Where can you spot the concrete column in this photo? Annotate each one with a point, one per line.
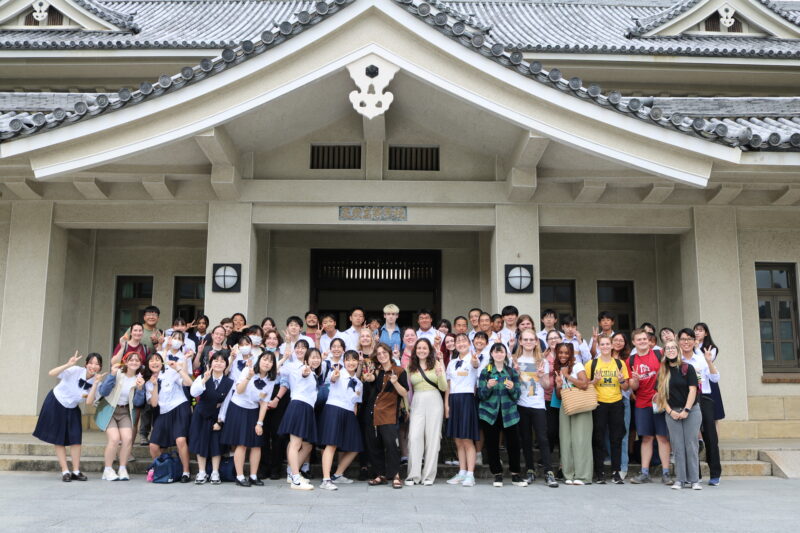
(32, 310)
(712, 294)
(515, 241)
(231, 239)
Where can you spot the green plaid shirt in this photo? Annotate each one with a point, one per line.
(498, 400)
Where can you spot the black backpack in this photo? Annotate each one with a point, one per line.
(593, 366)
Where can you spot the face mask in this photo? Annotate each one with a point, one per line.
(255, 339)
(245, 350)
(176, 344)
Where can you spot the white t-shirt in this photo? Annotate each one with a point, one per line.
(325, 341)
(73, 387)
(170, 391)
(346, 392)
(125, 392)
(462, 376)
(532, 392)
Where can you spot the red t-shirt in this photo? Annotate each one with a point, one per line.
(647, 367)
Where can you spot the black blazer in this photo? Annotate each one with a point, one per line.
(210, 401)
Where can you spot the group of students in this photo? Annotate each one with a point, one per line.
(383, 394)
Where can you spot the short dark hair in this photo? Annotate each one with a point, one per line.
(179, 321)
(496, 316)
(482, 335)
(272, 373)
(549, 311)
(254, 329)
(357, 308)
(372, 318)
(296, 319)
(244, 318)
(606, 314)
(686, 331)
(226, 320)
(95, 355)
(446, 323)
(327, 315)
(202, 317)
(484, 313)
(311, 313)
(568, 320)
(509, 310)
(478, 309)
(460, 317)
(151, 309)
(425, 311)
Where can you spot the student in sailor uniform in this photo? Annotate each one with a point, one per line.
(241, 354)
(175, 350)
(187, 346)
(460, 409)
(211, 389)
(299, 421)
(164, 389)
(339, 429)
(292, 359)
(480, 346)
(60, 417)
(244, 419)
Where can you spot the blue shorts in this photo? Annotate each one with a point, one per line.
(648, 423)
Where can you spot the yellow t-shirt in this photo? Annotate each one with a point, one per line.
(608, 388)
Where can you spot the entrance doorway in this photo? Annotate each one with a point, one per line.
(343, 279)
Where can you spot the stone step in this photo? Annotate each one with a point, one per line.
(94, 464)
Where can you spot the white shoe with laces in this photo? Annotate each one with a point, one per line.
(697, 486)
(456, 480)
(677, 485)
(109, 474)
(122, 474)
(341, 480)
(328, 485)
(578, 482)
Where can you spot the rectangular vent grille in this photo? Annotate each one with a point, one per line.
(424, 158)
(335, 156)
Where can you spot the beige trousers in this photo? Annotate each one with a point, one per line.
(424, 435)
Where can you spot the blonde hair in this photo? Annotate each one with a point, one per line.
(664, 374)
(391, 308)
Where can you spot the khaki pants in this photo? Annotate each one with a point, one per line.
(424, 435)
(575, 441)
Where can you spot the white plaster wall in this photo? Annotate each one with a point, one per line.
(589, 258)
(290, 254)
(762, 246)
(78, 276)
(5, 226)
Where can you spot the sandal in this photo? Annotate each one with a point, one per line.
(396, 483)
(379, 480)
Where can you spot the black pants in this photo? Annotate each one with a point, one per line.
(491, 440)
(610, 417)
(709, 430)
(552, 426)
(145, 420)
(531, 419)
(274, 448)
(384, 453)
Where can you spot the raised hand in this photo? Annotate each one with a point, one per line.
(393, 378)
(74, 359)
(709, 355)
(491, 383)
(139, 382)
(335, 375)
(306, 371)
(207, 375)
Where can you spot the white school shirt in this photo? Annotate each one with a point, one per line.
(339, 363)
(704, 375)
(125, 392)
(581, 348)
(325, 341)
(170, 392)
(343, 395)
(303, 388)
(507, 334)
(350, 337)
(309, 340)
(187, 363)
(251, 396)
(463, 379)
(430, 335)
(69, 392)
(235, 370)
(471, 335)
(532, 392)
(188, 344)
(484, 357)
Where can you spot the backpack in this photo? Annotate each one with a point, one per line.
(166, 468)
(593, 366)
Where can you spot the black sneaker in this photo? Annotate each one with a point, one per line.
(275, 476)
(530, 477)
(550, 480)
(185, 478)
(78, 477)
(243, 483)
(257, 482)
(616, 479)
(517, 481)
(498, 480)
(560, 475)
(599, 479)
(66, 478)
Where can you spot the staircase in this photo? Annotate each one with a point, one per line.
(19, 452)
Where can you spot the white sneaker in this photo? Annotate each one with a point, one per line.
(409, 482)
(302, 478)
(303, 485)
(578, 482)
(328, 485)
(677, 485)
(427, 483)
(456, 480)
(697, 486)
(122, 473)
(215, 480)
(469, 481)
(568, 481)
(109, 474)
(339, 480)
(623, 473)
(200, 478)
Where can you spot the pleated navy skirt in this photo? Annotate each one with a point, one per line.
(340, 428)
(240, 427)
(463, 420)
(203, 440)
(299, 420)
(169, 427)
(719, 409)
(57, 424)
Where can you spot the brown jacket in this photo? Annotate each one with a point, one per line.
(387, 400)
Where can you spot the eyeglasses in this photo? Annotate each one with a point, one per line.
(686, 339)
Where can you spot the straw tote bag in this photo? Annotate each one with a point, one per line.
(575, 400)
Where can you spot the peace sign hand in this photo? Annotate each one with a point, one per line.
(75, 358)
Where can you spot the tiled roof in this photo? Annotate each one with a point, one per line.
(726, 121)
(121, 20)
(563, 26)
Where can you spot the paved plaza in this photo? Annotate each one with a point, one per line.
(34, 502)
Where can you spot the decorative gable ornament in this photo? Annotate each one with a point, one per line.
(40, 8)
(371, 75)
(726, 14)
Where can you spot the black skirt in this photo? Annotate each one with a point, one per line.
(340, 428)
(299, 420)
(463, 420)
(169, 427)
(240, 427)
(203, 440)
(57, 424)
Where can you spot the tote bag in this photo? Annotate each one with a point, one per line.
(575, 400)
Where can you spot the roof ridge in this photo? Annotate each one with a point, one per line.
(120, 20)
(726, 132)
